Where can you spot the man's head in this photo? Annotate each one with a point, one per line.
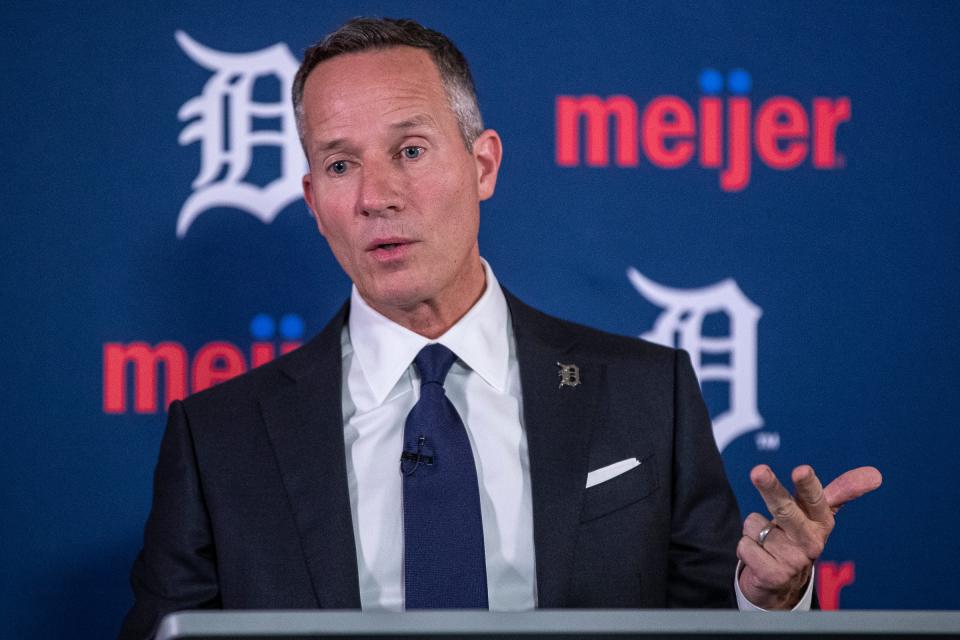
(393, 183)
(367, 34)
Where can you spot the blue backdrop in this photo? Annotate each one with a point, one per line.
(135, 227)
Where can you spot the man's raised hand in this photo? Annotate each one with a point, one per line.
(776, 571)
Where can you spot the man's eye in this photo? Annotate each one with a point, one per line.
(339, 167)
(412, 153)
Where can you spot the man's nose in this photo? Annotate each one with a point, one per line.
(380, 190)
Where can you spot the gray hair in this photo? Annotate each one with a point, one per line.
(364, 34)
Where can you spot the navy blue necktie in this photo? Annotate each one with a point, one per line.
(444, 563)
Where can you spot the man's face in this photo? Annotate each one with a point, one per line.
(391, 184)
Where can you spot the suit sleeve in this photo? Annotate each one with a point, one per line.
(176, 569)
(705, 521)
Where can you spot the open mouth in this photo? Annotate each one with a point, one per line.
(389, 248)
(388, 244)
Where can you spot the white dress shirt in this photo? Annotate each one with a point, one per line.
(380, 387)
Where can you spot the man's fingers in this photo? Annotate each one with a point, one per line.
(780, 503)
(769, 572)
(811, 496)
(761, 563)
(776, 544)
(753, 525)
(851, 485)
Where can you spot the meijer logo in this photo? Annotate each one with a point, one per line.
(783, 132)
(145, 365)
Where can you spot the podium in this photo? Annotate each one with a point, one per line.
(559, 624)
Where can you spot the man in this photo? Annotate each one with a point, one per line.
(585, 471)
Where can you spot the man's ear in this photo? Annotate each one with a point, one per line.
(307, 183)
(487, 152)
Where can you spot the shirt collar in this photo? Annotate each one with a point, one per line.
(384, 349)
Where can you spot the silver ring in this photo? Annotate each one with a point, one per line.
(764, 533)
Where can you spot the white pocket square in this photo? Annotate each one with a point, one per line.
(611, 471)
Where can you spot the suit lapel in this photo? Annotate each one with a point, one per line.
(558, 422)
(304, 421)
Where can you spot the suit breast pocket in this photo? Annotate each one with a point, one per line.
(621, 491)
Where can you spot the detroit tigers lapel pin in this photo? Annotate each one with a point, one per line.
(569, 375)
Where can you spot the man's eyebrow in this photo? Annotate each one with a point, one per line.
(327, 145)
(421, 120)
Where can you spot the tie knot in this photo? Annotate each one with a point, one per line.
(433, 362)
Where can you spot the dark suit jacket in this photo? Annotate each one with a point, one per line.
(251, 507)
